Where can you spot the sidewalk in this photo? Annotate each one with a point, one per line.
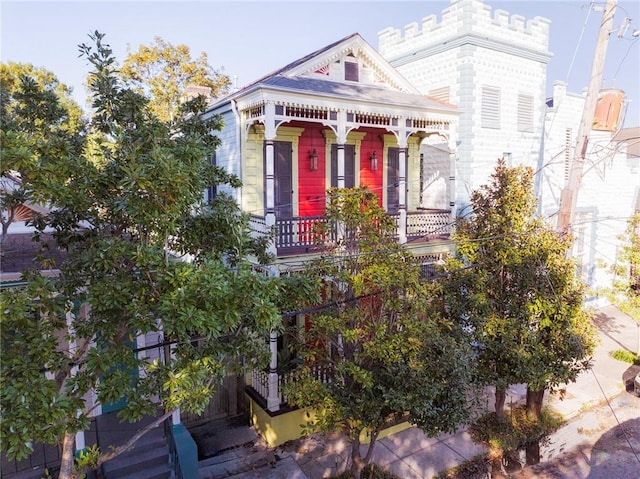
(411, 455)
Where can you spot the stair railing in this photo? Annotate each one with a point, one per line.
(174, 460)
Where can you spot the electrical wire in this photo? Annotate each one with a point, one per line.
(624, 431)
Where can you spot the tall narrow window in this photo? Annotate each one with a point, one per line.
(525, 112)
(490, 107)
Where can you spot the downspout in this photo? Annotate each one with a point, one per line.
(236, 114)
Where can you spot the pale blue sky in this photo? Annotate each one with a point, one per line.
(251, 39)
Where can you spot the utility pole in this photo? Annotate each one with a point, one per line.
(569, 195)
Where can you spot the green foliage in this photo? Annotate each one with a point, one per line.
(87, 459)
(128, 208)
(625, 356)
(516, 433)
(39, 123)
(625, 290)
(386, 352)
(513, 286)
(162, 71)
(478, 467)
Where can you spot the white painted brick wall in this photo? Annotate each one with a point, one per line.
(465, 16)
(513, 58)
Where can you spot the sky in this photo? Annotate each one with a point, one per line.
(249, 39)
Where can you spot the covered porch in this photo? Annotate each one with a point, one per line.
(297, 235)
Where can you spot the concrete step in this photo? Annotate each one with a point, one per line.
(215, 437)
(235, 461)
(147, 459)
(161, 471)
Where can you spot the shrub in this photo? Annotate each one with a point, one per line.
(516, 433)
(625, 356)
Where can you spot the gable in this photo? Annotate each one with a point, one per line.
(351, 60)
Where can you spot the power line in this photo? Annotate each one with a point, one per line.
(624, 431)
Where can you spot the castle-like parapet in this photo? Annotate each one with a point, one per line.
(466, 18)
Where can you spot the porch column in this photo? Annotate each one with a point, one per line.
(270, 212)
(340, 148)
(175, 417)
(270, 179)
(341, 138)
(80, 442)
(273, 396)
(402, 186)
(452, 180)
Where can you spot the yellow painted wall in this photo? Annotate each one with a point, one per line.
(277, 430)
(253, 174)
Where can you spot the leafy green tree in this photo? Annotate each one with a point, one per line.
(39, 121)
(163, 71)
(385, 352)
(625, 287)
(130, 207)
(514, 287)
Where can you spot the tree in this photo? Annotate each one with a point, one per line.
(38, 122)
(625, 287)
(122, 217)
(513, 285)
(377, 340)
(163, 71)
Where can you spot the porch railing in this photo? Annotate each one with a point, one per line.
(429, 224)
(260, 381)
(300, 234)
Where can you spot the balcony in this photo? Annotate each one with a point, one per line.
(298, 235)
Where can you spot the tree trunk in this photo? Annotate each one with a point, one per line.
(357, 463)
(534, 404)
(67, 460)
(501, 394)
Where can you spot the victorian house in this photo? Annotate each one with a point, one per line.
(338, 117)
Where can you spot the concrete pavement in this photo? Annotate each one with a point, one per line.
(411, 455)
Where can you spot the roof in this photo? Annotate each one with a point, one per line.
(355, 91)
(295, 77)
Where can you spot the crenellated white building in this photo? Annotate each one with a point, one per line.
(490, 64)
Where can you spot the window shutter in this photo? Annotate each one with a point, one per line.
(525, 112)
(490, 107)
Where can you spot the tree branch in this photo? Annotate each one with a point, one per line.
(127, 445)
